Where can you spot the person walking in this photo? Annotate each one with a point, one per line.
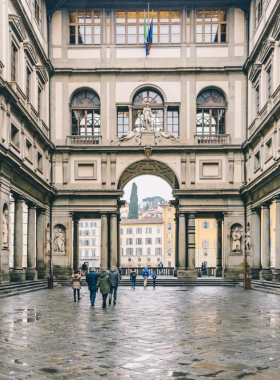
(76, 280)
(115, 280)
(145, 275)
(154, 277)
(105, 284)
(133, 276)
(91, 279)
(84, 268)
(160, 265)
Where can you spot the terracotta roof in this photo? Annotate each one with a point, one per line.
(142, 221)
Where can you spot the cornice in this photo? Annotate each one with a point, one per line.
(276, 29)
(30, 52)
(136, 71)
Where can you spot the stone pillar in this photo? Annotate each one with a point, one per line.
(255, 242)
(113, 241)
(40, 244)
(276, 273)
(165, 118)
(266, 273)
(119, 240)
(104, 242)
(182, 257)
(76, 250)
(130, 115)
(31, 273)
(191, 271)
(18, 274)
(219, 241)
(176, 241)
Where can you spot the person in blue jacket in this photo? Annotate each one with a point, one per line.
(91, 279)
(154, 277)
(145, 275)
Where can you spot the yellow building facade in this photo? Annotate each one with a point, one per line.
(169, 235)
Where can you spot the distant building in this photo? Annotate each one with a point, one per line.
(169, 235)
(90, 237)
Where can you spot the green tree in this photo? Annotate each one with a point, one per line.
(146, 208)
(133, 205)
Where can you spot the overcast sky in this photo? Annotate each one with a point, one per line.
(149, 186)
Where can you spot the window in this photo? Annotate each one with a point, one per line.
(85, 28)
(39, 101)
(148, 259)
(129, 251)
(149, 241)
(259, 10)
(210, 114)
(121, 231)
(93, 224)
(169, 245)
(169, 236)
(139, 259)
(205, 244)
(257, 99)
(40, 161)
(158, 230)
(268, 149)
(205, 254)
(85, 107)
(169, 216)
(129, 231)
(257, 160)
(169, 209)
(170, 27)
(188, 27)
(14, 63)
(169, 253)
(80, 252)
(129, 259)
(81, 243)
(158, 251)
(108, 28)
(28, 79)
(271, 224)
(205, 224)
(86, 253)
(129, 241)
(139, 231)
(123, 122)
(86, 233)
(173, 121)
(156, 104)
(121, 251)
(15, 136)
(169, 226)
(93, 233)
(139, 251)
(28, 148)
(158, 240)
(211, 26)
(269, 82)
(215, 224)
(148, 251)
(158, 259)
(86, 243)
(93, 242)
(93, 252)
(86, 224)
(148, 230)
(37, 12)
(139, 241)
(215, 244)
(81, 233)
(81, 224)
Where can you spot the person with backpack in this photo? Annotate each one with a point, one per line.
(154, 277)
(105, 284)
(145, 274)
(91, 279)
(76, 280)
(115, 280)
(133, 276)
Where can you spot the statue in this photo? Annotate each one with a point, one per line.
(248, 239)
(236, 240)
(129, 135)
(147, 117)
(5, 228)
(59, 242)
(166, 135)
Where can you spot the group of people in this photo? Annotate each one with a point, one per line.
(108, 283)
(204, 268)
(145, 275)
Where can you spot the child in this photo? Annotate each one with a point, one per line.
(154, 277)
(133, 276)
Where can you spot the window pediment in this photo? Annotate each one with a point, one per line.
(30, 52)
(17, 26)
(276, 29)
(42, 74)
(255, 71)
(268, 47)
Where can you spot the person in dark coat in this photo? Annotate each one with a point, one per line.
(160, 265)
(115, 279)
(84, 268)
(91, 279)
(105, 284)
(133, 276)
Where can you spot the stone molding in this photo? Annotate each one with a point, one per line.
(30, 52)
(17, 27)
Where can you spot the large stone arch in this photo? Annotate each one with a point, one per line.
(152, 167)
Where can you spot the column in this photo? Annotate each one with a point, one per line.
(219, 245)
(255, 241)
(113, 241)
(191, 271)
(176, 241)
(266, 273)
(40, 239)
(184, 26)
(130, 115)
(18, 274)
(76, 251)
(119, 240)
(165, 118)
(31, 273)
(182, 257)
(104, 242)
(276, 274)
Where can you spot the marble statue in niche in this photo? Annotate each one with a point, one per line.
(59, 242)
(236, 240)
(5, 228)
(147, 117)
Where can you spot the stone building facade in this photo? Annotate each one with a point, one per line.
(100, 113)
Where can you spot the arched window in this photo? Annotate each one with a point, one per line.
(210, 115)
(85, 109)
(156, 104)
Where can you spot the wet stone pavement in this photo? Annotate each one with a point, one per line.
(166, 333)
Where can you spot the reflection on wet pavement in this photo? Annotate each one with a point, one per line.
(204, 333)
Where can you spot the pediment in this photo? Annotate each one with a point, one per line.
(255, 71)
(267, 48)
(42, 74)
(17, 27)
(30, 52)
(276, 29)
